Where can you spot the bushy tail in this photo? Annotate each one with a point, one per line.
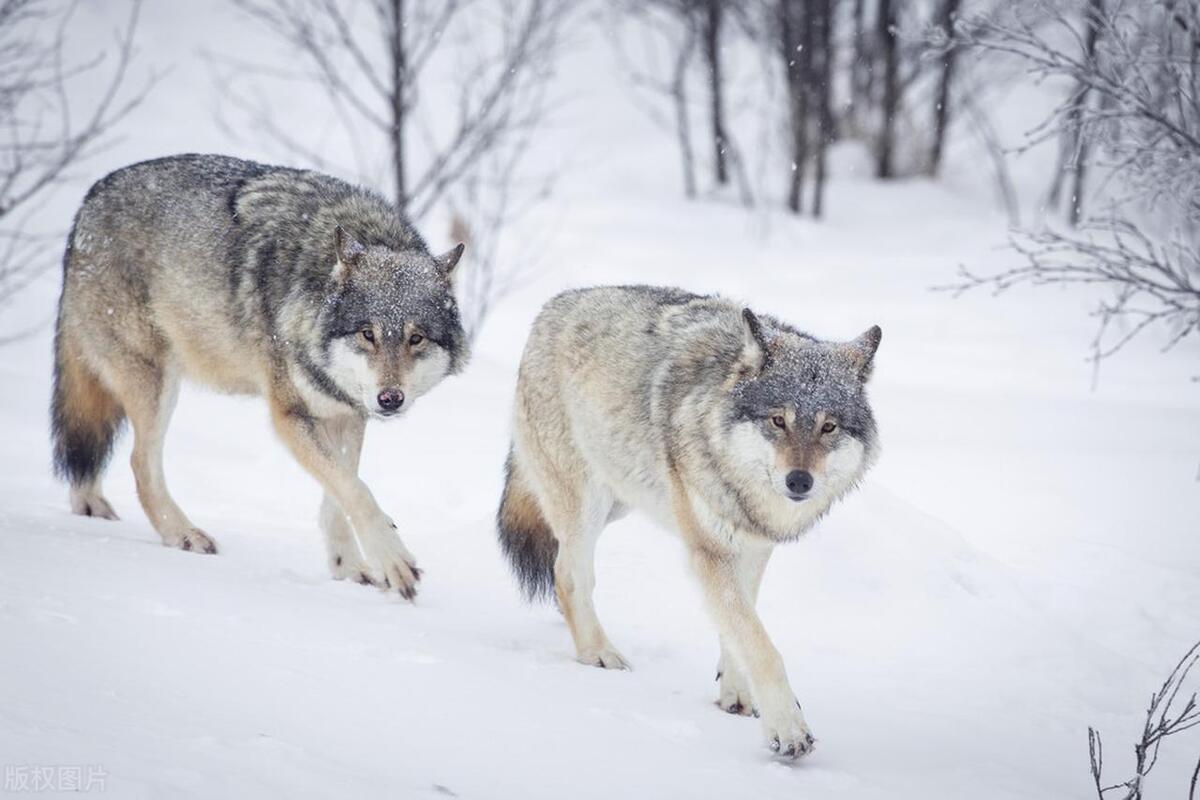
(84, 416)
(525, 535)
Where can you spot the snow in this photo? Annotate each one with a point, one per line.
(1022, 563)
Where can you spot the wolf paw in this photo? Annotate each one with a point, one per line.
(605, 657)
(91, 504)
(393, 567)
(192, 540)
(787, 734)
(734, 694)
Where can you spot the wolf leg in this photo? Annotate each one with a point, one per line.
(734, 694)
(577, 530)
(573, 507)
(730, 604)
(149, 399)
(393, 566)
(345, 560)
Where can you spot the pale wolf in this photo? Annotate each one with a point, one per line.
(251, 279)
(737, 431)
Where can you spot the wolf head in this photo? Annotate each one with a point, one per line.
(800, 420)
(391, 325)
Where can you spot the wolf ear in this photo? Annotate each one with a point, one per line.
(348, 250)
(449, 260)
(861, 351)
(753, 358)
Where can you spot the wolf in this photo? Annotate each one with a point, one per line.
(736, 430)
(251, 279)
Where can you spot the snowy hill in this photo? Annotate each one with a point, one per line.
(1022, 563)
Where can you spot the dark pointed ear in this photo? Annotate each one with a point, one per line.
(449, 260)
(348, 250)
(753, 358)
(861, 351)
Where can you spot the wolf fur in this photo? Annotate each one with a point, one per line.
(737, 431)
(250, 279)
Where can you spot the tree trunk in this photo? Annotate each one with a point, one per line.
(941, 111)
(823, 78)
(679, 97)
(891, 89)
(1071, 145)
(860, 66)
(712, 53)
(1095, 14)
(399, 59)
(793, 47)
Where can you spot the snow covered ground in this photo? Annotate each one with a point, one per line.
(1022, 563)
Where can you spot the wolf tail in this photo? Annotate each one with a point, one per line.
(525, 535)
(84, 415)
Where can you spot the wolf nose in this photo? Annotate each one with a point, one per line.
(799, 481)
(391, 399)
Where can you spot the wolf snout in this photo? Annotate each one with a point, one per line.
(390, 400)
(798, 482)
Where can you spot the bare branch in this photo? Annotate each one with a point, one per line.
(1154, 284)
(42, 137)
(1162, 721)
(468, 146)
(669, 25)
(1124, 121)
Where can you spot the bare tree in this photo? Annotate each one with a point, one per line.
(888, 34)
(964, 92)
(1072, 151)
(684, 26)
(45, 131)
(861, 66)
(713, 12)
(1163, 720)
(823, 78)
(1094, 17)
(1143, 130)
(795, 48)
(941, 108)
(369, 58)
(671, 26)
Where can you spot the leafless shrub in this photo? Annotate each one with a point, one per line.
(1133, 120)
(43, 133)
(1134, 72)
(1163, 719)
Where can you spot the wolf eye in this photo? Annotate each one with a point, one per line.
(416, 339)
(368, 335)
(779, 421)
(829, 427)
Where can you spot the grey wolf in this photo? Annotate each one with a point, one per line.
(737, 431)
(250, 279)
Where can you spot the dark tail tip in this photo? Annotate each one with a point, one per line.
(525, 535)
(84, 418)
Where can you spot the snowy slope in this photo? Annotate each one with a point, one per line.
(1022, 563)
